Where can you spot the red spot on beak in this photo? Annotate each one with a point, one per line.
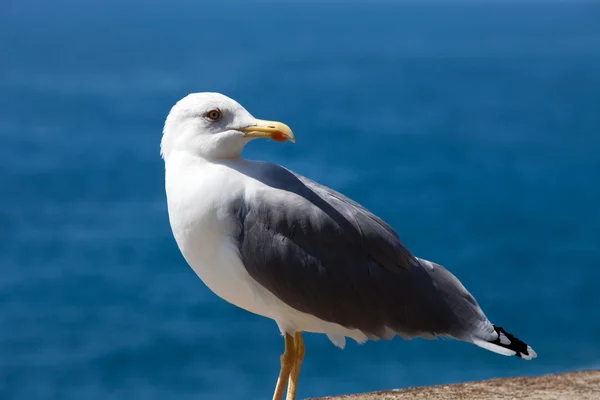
(278, 137)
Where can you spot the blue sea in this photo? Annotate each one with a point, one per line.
(473, 128)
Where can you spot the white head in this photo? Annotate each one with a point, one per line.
(213, 126)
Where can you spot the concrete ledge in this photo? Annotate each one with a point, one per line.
(583, 385)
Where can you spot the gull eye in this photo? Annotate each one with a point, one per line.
(214, 114)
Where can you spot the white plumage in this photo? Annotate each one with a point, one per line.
(281, 246)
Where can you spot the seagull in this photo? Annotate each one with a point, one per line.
(282, 246)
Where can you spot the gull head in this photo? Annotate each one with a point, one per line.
(214, 126)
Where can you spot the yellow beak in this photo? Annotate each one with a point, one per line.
(277, 131)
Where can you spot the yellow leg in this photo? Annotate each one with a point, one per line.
(293, 382)
(288, 359)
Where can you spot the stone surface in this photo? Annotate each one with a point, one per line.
(583, 385)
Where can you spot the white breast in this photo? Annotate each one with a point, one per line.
(197, 193)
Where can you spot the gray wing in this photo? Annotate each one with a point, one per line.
(323, 254)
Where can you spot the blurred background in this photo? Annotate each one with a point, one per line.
(473, 128)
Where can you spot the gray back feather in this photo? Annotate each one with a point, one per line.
(323, 254)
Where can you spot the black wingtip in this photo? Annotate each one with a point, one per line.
(509, 341)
